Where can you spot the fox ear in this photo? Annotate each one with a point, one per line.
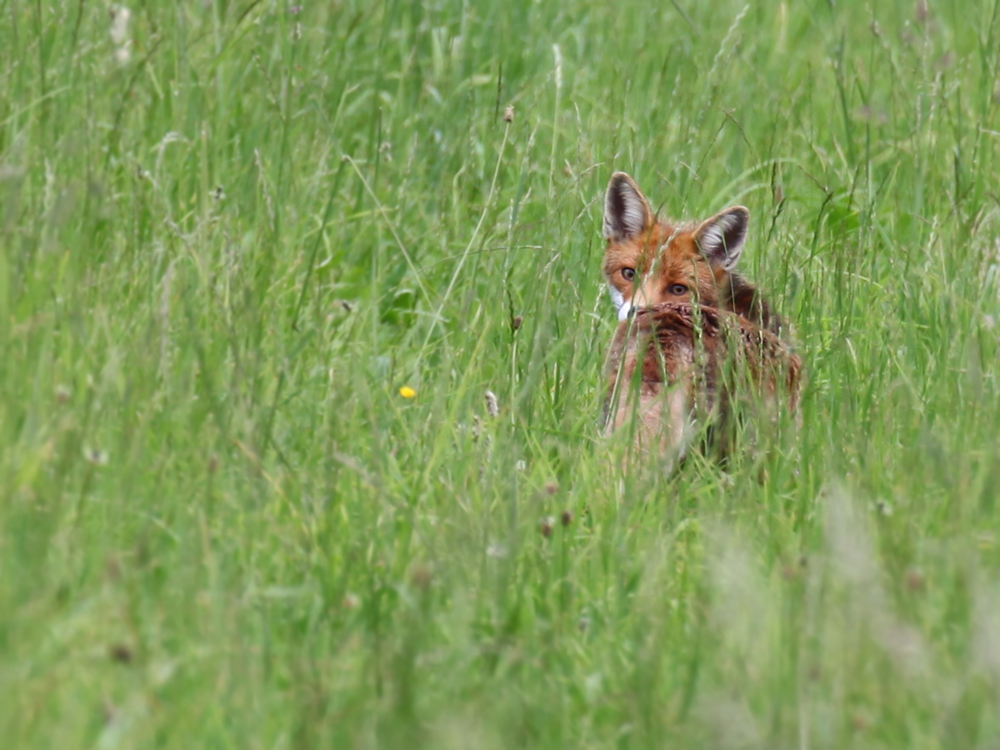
(722, 237)
(626, 211)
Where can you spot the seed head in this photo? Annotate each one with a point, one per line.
(508, 114)
(120, 16)
(96, 456)
(492, 405)
(548, 523)
(120, 653)
(923, 12)
(113, 569)
(566, 518)
(422, 577)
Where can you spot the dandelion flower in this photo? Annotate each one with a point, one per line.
(407, 392)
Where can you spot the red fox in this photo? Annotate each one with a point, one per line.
(700, 336)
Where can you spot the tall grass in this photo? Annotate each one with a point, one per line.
(228, 238)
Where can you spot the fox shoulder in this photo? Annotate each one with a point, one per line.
(745, 299)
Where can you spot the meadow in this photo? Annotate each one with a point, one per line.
(231, 232)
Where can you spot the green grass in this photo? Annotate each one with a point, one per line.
(220, 259)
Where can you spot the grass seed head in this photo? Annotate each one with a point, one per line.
(120, 17)
(120, 653)
(492, 404)
(96, 457)
(421, 577)
(548, 524)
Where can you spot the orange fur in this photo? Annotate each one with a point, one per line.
(694, 334)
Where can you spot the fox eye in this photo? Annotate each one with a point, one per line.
(678, 289)
(628, 273)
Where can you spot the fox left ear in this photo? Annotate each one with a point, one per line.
(722, 237)
(627, 213)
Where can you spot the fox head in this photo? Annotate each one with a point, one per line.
(650, 261)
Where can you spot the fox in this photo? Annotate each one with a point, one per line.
(649, 261)
(693, 336)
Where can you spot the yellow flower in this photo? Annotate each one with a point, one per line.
(407, 392)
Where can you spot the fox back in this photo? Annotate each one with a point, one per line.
(650, 261)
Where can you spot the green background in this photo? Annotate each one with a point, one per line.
(231, 234)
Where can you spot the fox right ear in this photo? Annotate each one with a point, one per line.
(626, 211)
(722, 237)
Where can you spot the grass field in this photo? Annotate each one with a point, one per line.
(231, 232)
